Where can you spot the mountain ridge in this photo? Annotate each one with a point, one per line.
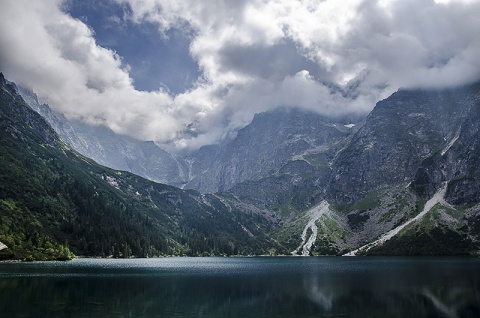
(374, 175)
(100, 143)
(55, 202)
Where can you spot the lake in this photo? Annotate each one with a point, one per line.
(243, 287)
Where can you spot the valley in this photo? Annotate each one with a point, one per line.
(292, 182)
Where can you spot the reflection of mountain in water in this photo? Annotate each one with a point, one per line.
(437, 302)
(245, 287)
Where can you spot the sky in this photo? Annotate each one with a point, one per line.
(188, 73)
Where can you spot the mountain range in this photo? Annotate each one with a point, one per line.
(55, 202)
(403, 180)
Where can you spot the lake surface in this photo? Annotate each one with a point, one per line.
(243, 287)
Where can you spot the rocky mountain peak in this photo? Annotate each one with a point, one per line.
(399, 134)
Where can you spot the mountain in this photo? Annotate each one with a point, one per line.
(101, 144)
(259, 150)
(55, 202)
(415, 157)
(271, 141)
(411, 168)
(399, 134)
(402, 181)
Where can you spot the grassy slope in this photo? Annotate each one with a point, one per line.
(54, 201)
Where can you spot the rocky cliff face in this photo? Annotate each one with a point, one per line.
(259, 150)
(457, 162)
(399, 134)
(101, 144)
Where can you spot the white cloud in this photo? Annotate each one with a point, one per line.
(254, 55)
(57, 57)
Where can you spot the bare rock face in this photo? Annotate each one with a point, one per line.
(400, 135)
(458, 161)
(101, 144)
(264, 146)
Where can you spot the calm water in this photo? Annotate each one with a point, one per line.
(243, 287)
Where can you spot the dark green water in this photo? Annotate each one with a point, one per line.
(243, 287)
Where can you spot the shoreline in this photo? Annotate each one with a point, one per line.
(244, 256)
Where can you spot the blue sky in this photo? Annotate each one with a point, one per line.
(160, 69)
(155, 59)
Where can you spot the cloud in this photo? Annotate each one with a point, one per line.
(417, 43)
(333, 57)
(57, 56)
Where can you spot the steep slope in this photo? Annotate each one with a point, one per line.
(402, 131)
(457, 162)
(260, 149)
(54, 201)
(422, 141)
(119, 152)
(384, 184)
(292, 181)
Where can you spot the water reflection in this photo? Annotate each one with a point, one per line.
(256, 287)
(428, 288)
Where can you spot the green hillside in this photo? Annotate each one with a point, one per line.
(55, 203)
